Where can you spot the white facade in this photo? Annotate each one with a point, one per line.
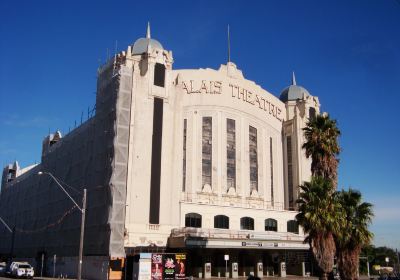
(188, 96)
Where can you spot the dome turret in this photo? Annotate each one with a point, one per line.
(142, 44)
(293, 92)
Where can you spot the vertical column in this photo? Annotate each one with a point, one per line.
(289, 152)
(184, 155)
(218, 131)
(244, 168)
(266, 168)
(279, 171)
(238, 162)
(271, 165)
(195, 140)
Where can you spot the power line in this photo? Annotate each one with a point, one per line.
(72, 188)
(59, 221)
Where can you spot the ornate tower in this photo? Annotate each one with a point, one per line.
(300, 107)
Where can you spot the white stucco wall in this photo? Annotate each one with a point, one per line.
(191, 95)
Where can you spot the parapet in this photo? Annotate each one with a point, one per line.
(49, 141)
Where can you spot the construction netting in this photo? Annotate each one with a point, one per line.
(92, 156)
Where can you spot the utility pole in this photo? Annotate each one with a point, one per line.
(83, 211)
(82, 235)
(41, 269)
(12, 244)
(54, 265)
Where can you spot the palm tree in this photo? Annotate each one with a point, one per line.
(318, 217)
(353, 233)
(321, 144)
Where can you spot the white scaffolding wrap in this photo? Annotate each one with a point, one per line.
(93, 156)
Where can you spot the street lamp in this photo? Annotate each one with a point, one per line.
(83, 211)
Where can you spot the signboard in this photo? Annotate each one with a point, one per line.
(145, 269)
(145, 255)
(256, 99)
(252, 244)
(156, 267)
(169, 263)
(180, 266)
(226, 257)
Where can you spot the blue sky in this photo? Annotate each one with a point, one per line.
(345, 52)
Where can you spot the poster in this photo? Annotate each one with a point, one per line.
(144, 269)
(180, 267)
(169, 264)
(156, 267)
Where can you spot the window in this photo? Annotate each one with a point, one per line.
(207, 151)
(193, 220)
(271, 225)
(231, 153)
(247, 223)
(184, 155)
(221, 221)
(253, 158)
(292, 226)
(271, 163)
(311, 113)
(290, 171)
(156, 151)
(159, 75)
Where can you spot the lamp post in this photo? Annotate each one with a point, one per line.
(83, 211)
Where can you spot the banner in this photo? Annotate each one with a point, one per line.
(180, 267)
(169, 264)
(156, 267)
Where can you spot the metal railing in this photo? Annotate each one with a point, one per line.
(234, 234)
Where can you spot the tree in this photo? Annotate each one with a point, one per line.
(353, 233)
(321, 144)
(318, 216)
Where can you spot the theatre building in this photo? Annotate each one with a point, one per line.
(202, 162)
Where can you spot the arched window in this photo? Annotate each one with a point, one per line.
(221, 221)
(247, 223)
(271, 225)
(292, 226)
(193, 220)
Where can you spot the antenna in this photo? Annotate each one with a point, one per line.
(293, 79)
(148, 35)
(229, 45)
